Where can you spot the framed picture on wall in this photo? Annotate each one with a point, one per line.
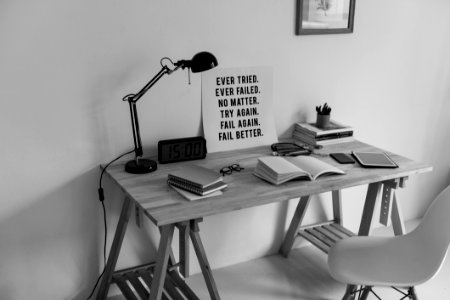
(324, 16)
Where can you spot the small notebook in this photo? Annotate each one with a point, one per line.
(195, 175)
(217, 186)
(192, 197)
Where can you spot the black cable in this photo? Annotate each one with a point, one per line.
(101, 198)
(100, 189)
(106, 232)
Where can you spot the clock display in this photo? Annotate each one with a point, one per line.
(181, 149)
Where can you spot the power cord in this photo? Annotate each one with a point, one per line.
(101, 198)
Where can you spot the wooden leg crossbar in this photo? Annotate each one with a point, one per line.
(322, 235)
(135, 283)
(325, 234)
(160, 279)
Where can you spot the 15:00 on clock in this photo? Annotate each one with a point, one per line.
(181, 149)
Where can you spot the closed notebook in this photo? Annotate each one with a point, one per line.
(195, 175)
(191, 196)
(217, 186)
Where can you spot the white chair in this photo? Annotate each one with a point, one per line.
(398, 261)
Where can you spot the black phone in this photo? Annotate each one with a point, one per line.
(343, 158)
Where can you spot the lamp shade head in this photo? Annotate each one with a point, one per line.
(202, 61)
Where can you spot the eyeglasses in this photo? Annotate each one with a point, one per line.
(228, 170)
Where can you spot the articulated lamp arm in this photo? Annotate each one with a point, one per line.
(200, 62)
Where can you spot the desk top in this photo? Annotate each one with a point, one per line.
(165, 206)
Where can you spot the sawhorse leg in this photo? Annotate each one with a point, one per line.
(373, 192)
(392, 206)
(202, 259)
(292, 231)
(162, 259)
(115, 249)
(389, 205)
(299, 214)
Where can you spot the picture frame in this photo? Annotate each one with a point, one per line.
(324, 16)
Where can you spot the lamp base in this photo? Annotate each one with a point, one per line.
(140, 166)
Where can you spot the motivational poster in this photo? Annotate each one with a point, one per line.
(237, 108)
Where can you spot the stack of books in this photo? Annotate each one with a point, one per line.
(195, 182)
(309, 133)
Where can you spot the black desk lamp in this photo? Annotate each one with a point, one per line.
(202, 61)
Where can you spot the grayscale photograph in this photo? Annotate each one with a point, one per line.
(225, 150)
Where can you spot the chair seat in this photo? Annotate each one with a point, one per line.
(376, 261)
(400, 261)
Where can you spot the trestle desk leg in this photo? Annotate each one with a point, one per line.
(293, 227)
(337, 206)
(397, 217)
(184, 230)
(202, 260)
(373, 192)
(162, 259)
(115, 249)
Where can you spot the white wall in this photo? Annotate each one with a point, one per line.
(65, 66)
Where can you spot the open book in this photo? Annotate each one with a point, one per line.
(277, 169)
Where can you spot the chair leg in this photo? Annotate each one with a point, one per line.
(412, 293)
(350, 292)
(365, 292)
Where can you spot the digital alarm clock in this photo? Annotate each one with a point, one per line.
(181, 149)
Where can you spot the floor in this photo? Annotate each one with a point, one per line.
(302, 276)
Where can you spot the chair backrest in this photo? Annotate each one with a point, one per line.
(434, 229)
(436, 220)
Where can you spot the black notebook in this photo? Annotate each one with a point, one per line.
(374, 160)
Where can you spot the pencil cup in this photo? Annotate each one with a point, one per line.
(322, 121)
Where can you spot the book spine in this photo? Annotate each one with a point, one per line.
(320, 132)
(185, 186)
(324, 136)
(334, 136)
(335, 141)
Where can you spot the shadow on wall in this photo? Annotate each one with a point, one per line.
(138, 246)
(53, 243)
(57, 242)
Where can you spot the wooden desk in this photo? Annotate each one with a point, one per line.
(152, 197)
